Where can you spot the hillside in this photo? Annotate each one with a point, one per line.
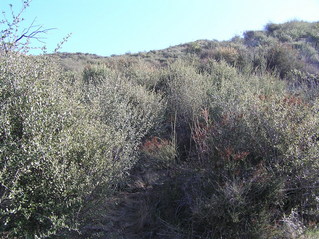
(299, 39)
(206, 139)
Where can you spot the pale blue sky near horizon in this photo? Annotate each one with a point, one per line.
(106, 27)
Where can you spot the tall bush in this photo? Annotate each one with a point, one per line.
(57, 152)
(128, 107)
(261, 148)
(54, 155)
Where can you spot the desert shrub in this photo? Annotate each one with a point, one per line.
(228, 54)
(265, 153)
(313, 35)
(256, 38)
(284, 46)
(95, 74)
(232, 207)
(258, 59)
(184, 90)
(308, 52)
(65, 143)
(283, 59)
(234, 53)
(54, 153)
(143, 73)
(253, 160)
(211, 67)
(254, 148)
(130, 108)
(194, 48)
(305, 84)
(289, 31)
(227, 85)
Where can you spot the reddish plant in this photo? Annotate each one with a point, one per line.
(229, 153)
(293, 100)
(154, 144)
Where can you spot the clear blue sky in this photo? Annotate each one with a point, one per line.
(106, 27)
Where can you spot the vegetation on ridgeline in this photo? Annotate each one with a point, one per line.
(202, 140)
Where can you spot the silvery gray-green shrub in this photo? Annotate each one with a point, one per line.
(58, 153)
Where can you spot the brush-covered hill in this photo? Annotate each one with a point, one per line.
(294, 41)
(206, 139)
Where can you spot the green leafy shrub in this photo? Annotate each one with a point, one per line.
(54, 154)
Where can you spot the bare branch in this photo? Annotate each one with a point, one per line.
(12, 38)
(33, 34)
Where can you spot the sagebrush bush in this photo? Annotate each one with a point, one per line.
(308, 52)
(290, 31)
(252, 162)
(143, 73)
(257, 38)
(50, 160)
(228, 54)
(128, 107)
(185, 91)
(262, 142)
(283, 59)
(57, 152)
